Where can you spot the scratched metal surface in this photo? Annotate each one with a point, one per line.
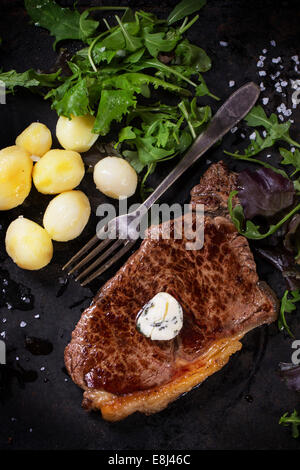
(237, 408)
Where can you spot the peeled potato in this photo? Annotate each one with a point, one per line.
(115, 177)
(76, 133)
(67, 215)
(15, 176)
(28, 244)
(36, 139)
(58, 171)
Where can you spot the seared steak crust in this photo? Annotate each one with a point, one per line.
(217, 286)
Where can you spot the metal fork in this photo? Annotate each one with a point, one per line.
(108, 251)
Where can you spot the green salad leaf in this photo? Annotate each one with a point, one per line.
(114, 104)
(63, 23)
(29, 79)
(185, 8)
(287, 306)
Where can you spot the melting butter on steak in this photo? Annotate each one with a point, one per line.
(218, 288)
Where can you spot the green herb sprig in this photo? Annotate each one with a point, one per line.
(292, 420)
(287, 306)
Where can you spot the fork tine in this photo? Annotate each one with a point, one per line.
(101, 258)
(85, 248)
(129, 244)
(91, 255)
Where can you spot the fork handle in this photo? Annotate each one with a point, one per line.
(230, 113)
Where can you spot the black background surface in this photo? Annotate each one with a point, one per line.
(237, 408)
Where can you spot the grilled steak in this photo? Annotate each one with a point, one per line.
(121, 370)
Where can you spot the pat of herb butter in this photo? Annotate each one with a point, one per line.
(161, 318)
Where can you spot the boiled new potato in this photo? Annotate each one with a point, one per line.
(115, 177)
(67, 215)
(58, 171)
(36, 139)
(15, 176)
(28, 244)
(76, 133)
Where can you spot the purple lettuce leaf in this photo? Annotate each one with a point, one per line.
(290, 373)
(284, 261)
(264, 192)
(292, 238)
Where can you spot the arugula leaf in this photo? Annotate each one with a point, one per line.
(192, 56)
(259, 162)
(291, 158)
(185, 8)
(126, 133)
(62, 23)
(75, 101)
(293, 420)
(157, 42)
(133, 158)
(247, 227)
(287, 306)
(132, 43)
(29, 79)
(112, 107)
(136, 81)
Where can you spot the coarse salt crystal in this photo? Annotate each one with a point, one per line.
(284, 83)
(262, 73)
(276, 60)
(23, 324)
(278, 89)
(295, 58)
(233, 130)
(252, 136)
(273, 43)
(264, 51)
(262, 86)
(231, 83)
(265, 101)
(280, 117)
(260, 63)
(223, 43)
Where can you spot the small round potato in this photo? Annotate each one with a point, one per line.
(15, 176)
(36, 139)
(28, 244)
(67, 215)
(58, 171)
(115, 177)
(76, 133)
